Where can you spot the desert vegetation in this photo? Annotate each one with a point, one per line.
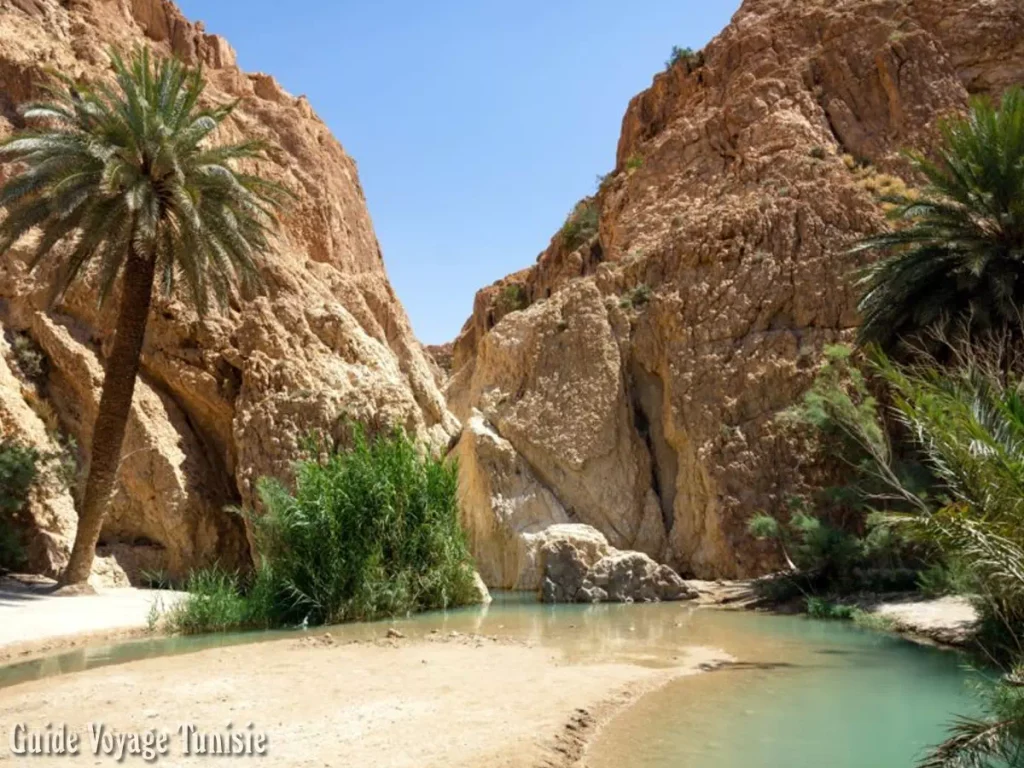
(512, 298)
(19, 471)
(687, 56)
(370, 530)
(581, 225)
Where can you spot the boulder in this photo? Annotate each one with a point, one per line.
(574, 574)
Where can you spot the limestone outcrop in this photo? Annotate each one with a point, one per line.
(224, 399)
(633, 376)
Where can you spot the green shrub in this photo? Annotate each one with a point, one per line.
(639, 296)
(634, 162)
(818, 153)
(581, 225)
(688, 55)
(832, 537)
(823, 556)
(512, 298)
(370, 531)
(819, 608)
(28, 356)
(937, 580)
(19, 470)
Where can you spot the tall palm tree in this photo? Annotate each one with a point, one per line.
(957, 257)
(124, 177)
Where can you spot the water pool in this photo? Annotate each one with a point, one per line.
(805, 694)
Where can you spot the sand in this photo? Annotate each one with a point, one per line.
(435, 701)
(34, 620)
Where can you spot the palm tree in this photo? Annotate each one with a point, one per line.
(969, 425)
(958, 258)
(123, 176)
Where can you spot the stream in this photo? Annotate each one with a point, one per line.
(805, 694)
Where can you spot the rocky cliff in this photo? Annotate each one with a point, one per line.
(631, 379)
(224, 399)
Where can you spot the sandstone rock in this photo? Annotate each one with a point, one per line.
(224, 399)
(572, 574)
(551, 379)
(642, 384)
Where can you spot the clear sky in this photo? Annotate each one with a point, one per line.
(476, 124)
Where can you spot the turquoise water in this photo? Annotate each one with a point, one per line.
(812, 695)
(805, 693)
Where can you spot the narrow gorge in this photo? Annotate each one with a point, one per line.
(681, 492)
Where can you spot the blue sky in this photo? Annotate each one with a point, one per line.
(476, 125)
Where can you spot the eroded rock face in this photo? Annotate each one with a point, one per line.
(522, 538)
(642, 384)
(225, 399)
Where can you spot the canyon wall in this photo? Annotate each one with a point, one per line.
(632, 378)
(224, 399)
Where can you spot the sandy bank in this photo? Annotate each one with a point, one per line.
(34, 620)
(947, 620)
(439, 701)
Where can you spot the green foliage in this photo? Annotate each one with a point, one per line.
(638, 296)
(996, 738)
(818, 153)
(581, 225)
(954, 259)
(762, 526)
(938, 580)
(968, 422)
(874, 621)
(512, 298)
(370, 531)
(839, 403)
(970, 425)
(214, 604)
(19, 470)
(28, 357)
(688, 55)
(824, 559)
(117, 171)
(831, 538)
(819, 608)
(634, 162)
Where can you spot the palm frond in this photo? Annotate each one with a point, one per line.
(958, 252)
(124, 169)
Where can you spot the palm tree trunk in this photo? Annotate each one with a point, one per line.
(112, 418)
